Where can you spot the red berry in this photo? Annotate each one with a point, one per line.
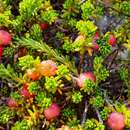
(33, 74)
(12, 103)
(47, 68)
(44, 26)
(116, 121)
(52, 112)
(5, 38)
(25, 92)
(112, 40)
(95, 46)
(1, 51)
(82, 77)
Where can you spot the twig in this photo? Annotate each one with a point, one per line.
(84, 114)
(98, 115)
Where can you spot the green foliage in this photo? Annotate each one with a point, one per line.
(5, 14)
(100, 127)
(86, 27)
(97, 101)
(5, 18)
(9, 74)
(68, 112)
(36, 33)
(21, 125)
(124, 75)
(71, 6)
(99, 69)
(9, 51)
(27, 62)
(67, 46)
(49, 16)
(63, 71)
(105, 113)
(89, 86)
(33, 87)
(79, 44)
(89, 124)
(5, 114)
(42, 100)
(126, 7)
(105, 48)
(52, 83)
(77, 97)
(73, 122)
(29, 8)
(15, 95)
(87, 9)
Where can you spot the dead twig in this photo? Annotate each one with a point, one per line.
(84, 114)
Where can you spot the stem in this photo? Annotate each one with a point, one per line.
(84, 113)
(98, 115)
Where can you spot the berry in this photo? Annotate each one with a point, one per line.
(82, 77)
(116, 121)
(25, 92)
(44, 26)
(112, 40)
(12, 103)
(47, 68)
(5, 38)
(1, 51)
(95, 46)
(52, 112)
(33, 74)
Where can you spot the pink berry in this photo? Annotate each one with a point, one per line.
(95, 46)
(47, 68)
(112, 40)
(1, 51)
(116, 121)
(82, 77)
(12, 103)
(52, 112)
(5, 38)
(25, 92)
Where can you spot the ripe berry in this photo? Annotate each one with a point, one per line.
(33, 74)
(47, 68)
(5, 38)
(95, 46)
(116, 121)
(44, 26)
(25, 92)
(82, 77)
(12, 103)
(1, 51)
(52, 112)
(112, 40)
